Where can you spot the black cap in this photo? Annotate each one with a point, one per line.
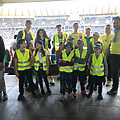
(28, 22)
(40, 42)
(70, 38)
(57, 26)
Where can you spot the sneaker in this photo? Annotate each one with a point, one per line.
(108, 83)
(74, 94)
(100, 97)
(111, 92)
(5, 97)
(48, 92)
(43, 93)
(20, 97)
(89, 95)
(84, 93)
(52, 81)
(62, 98)
(71, 96)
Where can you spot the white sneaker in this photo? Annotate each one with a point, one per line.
(108, 83)
(62, 98)
(52, 81)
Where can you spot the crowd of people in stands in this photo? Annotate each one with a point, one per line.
(80, 56)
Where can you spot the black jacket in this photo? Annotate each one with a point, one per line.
(2, 50)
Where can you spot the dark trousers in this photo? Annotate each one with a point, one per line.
(96, 80)
(28, 74)
(115, 66)
(109, 69)
(65, 78)
(40, 74)
(82, 77)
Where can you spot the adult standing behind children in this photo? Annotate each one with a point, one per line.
(106, 40)
(115, 56)
(26, 33)
(76, 35)
(2, 81)
(59, 40)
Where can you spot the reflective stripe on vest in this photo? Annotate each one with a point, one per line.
(67, 69)
(36, 65)
(97, 67)
(77, 66)
(23, 37)
(57, 42)
(23, 60)
(85, 41)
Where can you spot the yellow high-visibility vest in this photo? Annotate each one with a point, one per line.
(97, 66)
(67, 69)
(115, 46)
(36, 65)
(23, 36)
(57, 42)
(23, 60)
(77, 66)
(85, 41)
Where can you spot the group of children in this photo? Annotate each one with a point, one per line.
(25, 60)
(72, 65)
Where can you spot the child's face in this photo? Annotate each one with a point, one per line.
(41, 34)
(97, 51)
(88, 32)
(95, 37)
(31, 46)
(38, 46)
(68, 49)
(23, 45)
(59, 29)
(70, 41)
(80, 44)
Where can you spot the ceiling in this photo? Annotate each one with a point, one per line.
(50, 8)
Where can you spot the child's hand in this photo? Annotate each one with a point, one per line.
(17, 74)
(47, 72)
(106, 74)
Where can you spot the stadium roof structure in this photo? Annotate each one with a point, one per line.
(74, 9)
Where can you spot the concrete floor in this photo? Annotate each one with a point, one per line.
(50, 108)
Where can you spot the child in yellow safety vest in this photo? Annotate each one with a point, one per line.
(41, 65)
(22, 66)
(79, 67)
(66, 62)
(98, 70)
